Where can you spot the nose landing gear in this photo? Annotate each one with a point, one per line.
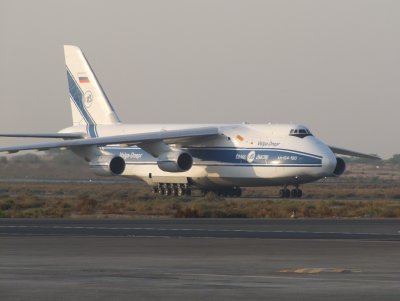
(286, 193)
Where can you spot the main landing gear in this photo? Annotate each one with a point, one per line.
(167, 189)
(286, 193)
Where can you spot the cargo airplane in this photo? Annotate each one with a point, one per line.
(177, 158)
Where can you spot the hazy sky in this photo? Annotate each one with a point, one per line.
(333, 66)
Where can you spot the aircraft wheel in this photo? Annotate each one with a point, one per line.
(167, 190)
(294, 193)
(287, 193)
(282, 193)
(299, 193)
(174, 190)
(180, 191)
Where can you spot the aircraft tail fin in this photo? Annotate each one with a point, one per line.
(90, 105)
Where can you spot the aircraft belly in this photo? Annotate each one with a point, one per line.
(206, 176)
(256, 176)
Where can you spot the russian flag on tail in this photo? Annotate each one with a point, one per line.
(83, 78)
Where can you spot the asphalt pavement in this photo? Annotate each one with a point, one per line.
(198, 259)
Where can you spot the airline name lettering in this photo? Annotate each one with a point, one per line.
(246, 157)
(267, 143)
(132, 155)
(241, 156)
(262, 157)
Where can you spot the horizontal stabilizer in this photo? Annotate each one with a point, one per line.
(132, 139)
(341, 151)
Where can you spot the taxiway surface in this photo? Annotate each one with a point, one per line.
(200, 259)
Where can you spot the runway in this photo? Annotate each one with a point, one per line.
(373, 229)
(199, 259)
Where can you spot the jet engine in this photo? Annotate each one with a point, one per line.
(107, 165)
(340, 167)
(175, 161)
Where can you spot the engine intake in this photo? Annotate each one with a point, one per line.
(176, 161)
(108, 165)
(340, 167)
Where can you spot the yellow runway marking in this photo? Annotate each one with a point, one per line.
(318, 270)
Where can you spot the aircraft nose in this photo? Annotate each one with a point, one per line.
(329, 162)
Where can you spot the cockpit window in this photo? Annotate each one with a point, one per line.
(300, 133)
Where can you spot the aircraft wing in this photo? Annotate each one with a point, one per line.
(45, 135)
(131, 139)
(346, 152)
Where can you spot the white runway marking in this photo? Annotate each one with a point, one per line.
(194, 230)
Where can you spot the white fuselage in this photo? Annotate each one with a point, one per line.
(242, 155)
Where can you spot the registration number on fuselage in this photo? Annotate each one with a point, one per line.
(286, 158)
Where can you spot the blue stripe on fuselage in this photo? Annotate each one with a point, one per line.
(227, 156)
